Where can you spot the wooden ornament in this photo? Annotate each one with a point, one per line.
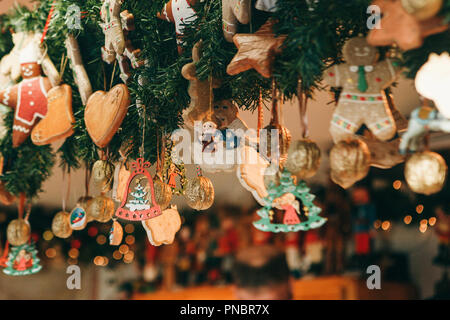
(199, 193)
(29, 97)
(115, 234)
(61, 225)
(180, 13)
(18, 232)
(122, 180)
(199, 91)
(362, 100)
(256, 51)
(58, 123)
(163, 193)
(163, 228)
(136, 205)
(78, 218)
(103, 175)
(105, 112)
(234, 11)
(79, 72)
(100, 208)
(251, 172)
(349, 162)
(383, 154)
(303, 159)
(425, 172)
(401, 27)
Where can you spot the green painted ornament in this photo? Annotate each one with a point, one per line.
(286, 196)
(22, 260)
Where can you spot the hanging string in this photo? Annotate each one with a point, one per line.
(87, 178)
(260, 114)
(275, 116)
(302, 104)
(27, 214)
(158, 160)
(112, 75)
(67, 190)
(142, 148)
(209, 118)
(22, 199)
(47, 23)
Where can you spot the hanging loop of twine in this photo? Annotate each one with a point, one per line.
(275, 108)
(22, 200)
(66, 193)
(302, 104)
(260, 114)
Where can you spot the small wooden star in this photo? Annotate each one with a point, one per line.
(256, 51)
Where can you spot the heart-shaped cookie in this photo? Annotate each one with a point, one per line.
(105, 112)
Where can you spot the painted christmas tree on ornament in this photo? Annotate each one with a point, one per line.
(296, 201)
(138, 203)
(23, 260)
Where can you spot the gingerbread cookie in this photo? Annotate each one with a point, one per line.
(58, 123)
(105, 112)
(163, 228)
(400, 26)
(361, 101)
(180, 13)
(234, 11)
(112, 28)
(29, 97)
(199, 91)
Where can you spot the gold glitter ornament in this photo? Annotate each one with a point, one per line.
(163, 193)
(350, 162)
(18, 232)
(103, 175)
(61, 225)
(425, 172)
(199, 193)
(303, 159)
(101, 208)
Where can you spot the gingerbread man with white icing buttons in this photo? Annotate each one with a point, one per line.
(112, 28)
(29, 97)
(363, 80)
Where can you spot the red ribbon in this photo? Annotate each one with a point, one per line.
(47, 23)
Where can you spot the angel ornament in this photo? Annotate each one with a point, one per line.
(291, 207)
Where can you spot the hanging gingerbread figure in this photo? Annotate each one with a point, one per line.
(29, 97)
(290, 206)
(173, 172)
(361, 101)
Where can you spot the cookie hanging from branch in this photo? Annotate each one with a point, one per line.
(256, 51)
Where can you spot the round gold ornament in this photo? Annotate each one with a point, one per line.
(425, 172)
(284, 141)
(101, 208)
(163, 193)
(199, 193)
(61, 225)
(303, 159)
(349, 162)
(18, 232)
(103, 175)
(422, 9)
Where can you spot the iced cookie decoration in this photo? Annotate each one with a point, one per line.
(78, 218)
(362, 79)
(29, 97)
(163, 228)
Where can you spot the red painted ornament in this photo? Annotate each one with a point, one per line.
(135, 204)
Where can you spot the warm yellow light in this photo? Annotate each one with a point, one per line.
(47, 235)
(386, 225)
(419, 209)
(123, 249)
(129, 239)
(129, 228)
(432, 221)
(105, 261)
(407, 219)
(50, 253)
(424, 221)
(377, 224)
(72, 261)
(128, 257)
(397, 184)
(423, 227)
(98, 260)
(101, 239)
(117, 255)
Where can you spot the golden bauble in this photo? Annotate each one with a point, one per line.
(284, 141)
(303, 159)
(163, 193)
(101, 208)
(83, 202)
(425, 172)
(61, 225)
(199, 193)
(103, 175)
(349, 162)
(18, 232)
(422, 9)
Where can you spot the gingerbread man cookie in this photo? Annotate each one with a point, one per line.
(29, 97)
(180, 13)
(361, 101)
(234, 11)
